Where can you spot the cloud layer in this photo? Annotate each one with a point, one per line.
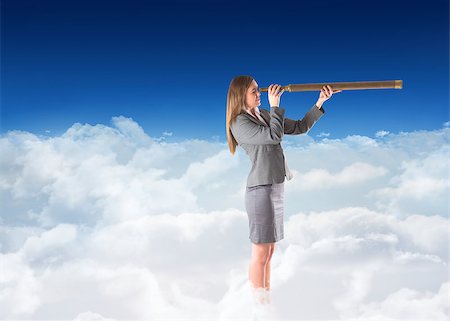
(107, 223)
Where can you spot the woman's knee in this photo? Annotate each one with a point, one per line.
(261, 252)
(272, 249)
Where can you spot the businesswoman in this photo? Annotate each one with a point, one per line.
(259, 132)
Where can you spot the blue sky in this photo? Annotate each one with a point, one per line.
(167, 64)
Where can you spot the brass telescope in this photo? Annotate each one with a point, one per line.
(354, 85)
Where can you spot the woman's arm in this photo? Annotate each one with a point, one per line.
(297, 127)
(245, 131)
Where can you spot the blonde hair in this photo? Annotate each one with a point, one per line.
(236, 105)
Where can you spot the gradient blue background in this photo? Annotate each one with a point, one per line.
(165, 63)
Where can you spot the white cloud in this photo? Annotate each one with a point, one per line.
(107, 223)
(19, 287)
(422, 186)
(323, 134)
(409, 304)
(131, 130)
(49, 244)
(352, 257)
(381, 133)
(91, 316)
(352, 174)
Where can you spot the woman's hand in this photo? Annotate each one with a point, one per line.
(274, 95)
(326, 94)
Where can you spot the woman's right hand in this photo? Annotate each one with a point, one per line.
(275, 92)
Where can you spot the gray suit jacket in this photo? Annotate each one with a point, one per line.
(262, 142)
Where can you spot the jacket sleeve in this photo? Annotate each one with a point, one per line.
(296, 127)
(245, 131)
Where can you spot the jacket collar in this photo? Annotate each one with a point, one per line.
(264, 114)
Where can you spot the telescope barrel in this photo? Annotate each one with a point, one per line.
(354, 85)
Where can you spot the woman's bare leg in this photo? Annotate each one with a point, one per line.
(260, 255)
(267, 275)
(267, 270)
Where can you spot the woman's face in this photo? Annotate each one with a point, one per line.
(253, 96)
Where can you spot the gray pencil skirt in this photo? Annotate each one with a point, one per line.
(265, 209)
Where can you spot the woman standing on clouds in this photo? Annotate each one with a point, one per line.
(260, 133)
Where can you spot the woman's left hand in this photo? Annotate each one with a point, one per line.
(326, 94)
